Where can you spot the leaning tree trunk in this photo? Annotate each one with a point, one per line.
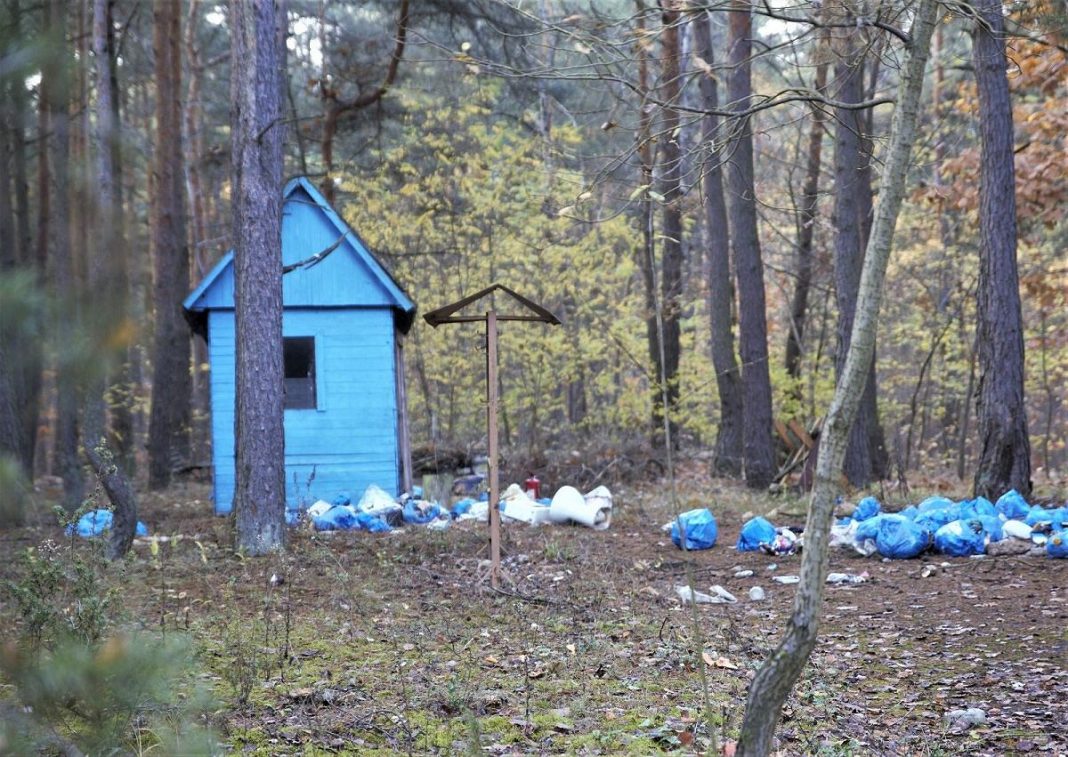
(749, 267)
(781, 670)
(728, 451)
(256, 90)
(1005, 450)
(172, 385)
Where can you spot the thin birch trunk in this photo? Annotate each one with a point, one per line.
(779, 673)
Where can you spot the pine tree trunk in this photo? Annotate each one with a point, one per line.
(103, 266)
(256, 88)
(806, 226)
(647, 252)
(728, 450)
(169, 423)
(849, 242)
(779, 673)
(1005, 449)
(749, 267)
(670, 182)
(123, 388)
(57, 73)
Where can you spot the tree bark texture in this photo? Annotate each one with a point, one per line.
(749, 267)
(670, 186)
(170, 419)
(256, 90)
(125, 382)
(61, 257)
(779, 673)
(728, 452)
(647, 251)
(108, 313)
(806, 226)
(1005, 449)
(851, 204)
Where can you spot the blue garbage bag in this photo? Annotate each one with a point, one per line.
(755, 532)
(974, 508)
(899, 538)
(700, 527)
(1012, 505)
(910, 512)
(1060, 518)
(96, 522)
(1038, 514)
(992, 526)
(341, 500)
(868, 529)
(372, 523)
(940, 516)
(866, 508)
(462, 507)
(961, 538)
(292, 517)
(417, 516)
(1057, 544)
(337, 518)
(935, 503)
(928, 525)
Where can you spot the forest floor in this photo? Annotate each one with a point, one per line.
(394, 644)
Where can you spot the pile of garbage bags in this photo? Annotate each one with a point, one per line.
(96, 523)
(957, 529)
(377, 511)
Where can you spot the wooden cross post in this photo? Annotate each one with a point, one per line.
(449, 314)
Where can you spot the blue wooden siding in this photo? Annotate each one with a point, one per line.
(350, 439)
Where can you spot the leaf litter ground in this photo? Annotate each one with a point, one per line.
(393, 643)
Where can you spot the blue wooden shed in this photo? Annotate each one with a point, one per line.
(343, 322)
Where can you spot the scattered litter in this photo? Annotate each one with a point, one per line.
(687, 595)
(719, 591)
(786, 542)
(1017, 529)
(928, 571)
(755, 533)
(593, 510)
(517, 505)
(418, 512)
(848, 578)
(786, 579)
(96, 522)
(756, 594)
(700, 527)
(743, 574)
(964, 719)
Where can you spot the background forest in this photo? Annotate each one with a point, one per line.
(573, 151)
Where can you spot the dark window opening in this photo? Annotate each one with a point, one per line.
(298, 353)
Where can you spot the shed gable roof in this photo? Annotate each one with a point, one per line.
(325, 264)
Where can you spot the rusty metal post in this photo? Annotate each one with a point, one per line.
(494, 479)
